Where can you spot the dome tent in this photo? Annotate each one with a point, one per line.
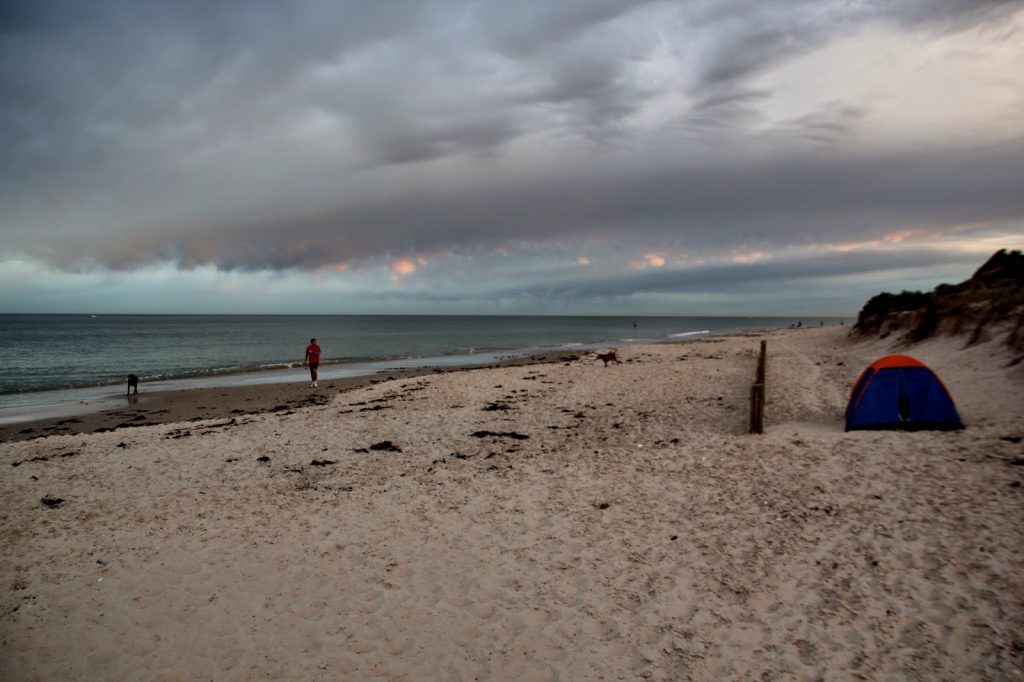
(900, 392)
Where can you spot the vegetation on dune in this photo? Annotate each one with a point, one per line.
(990, 303)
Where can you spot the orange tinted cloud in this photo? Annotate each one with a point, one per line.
(900, 236)
(403, 267)
(745, 257)
(649, 260)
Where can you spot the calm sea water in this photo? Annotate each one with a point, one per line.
(51, 352)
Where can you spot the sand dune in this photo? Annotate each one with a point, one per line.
(549, 522)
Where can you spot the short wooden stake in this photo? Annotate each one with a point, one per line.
(757, 391)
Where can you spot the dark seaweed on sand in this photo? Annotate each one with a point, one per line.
(499, 434)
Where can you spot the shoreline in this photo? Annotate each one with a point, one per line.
(224, 402)
(326, 366)
(35, 390)
(164, 406)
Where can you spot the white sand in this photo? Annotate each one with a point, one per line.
(599, 548)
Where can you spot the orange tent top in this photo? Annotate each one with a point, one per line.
(896, 361)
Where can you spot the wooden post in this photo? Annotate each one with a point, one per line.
(757, 392)
(757, 408)
(761, 361)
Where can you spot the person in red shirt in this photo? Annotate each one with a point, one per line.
(312, 360)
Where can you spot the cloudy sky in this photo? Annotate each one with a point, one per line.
(457, 156)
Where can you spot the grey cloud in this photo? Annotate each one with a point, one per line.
(832, 121)
(595, 84)
(739, 278)
(753, 36)
(522, 28)
(949, 15)
(89, 85)
(720, 202)
(748, 51)
(437, 141)
(744, 284)
(724, 110)
(73, 66)
(106, 106)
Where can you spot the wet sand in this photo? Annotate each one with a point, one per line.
(149, 408)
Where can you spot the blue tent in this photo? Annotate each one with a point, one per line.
(899, 392)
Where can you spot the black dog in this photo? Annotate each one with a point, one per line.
(133, 382)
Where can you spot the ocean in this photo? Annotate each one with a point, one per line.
(47, 359)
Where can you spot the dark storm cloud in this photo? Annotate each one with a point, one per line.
(747, 283)
(524, 28)
(806, 198)
(834, 120)
(724, 109)
(136, 66)
(742, 278)
(132, 132)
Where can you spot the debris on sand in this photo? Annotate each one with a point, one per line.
(499, 434)
(322, 462)
(385, 446)
(31, 459)
(52, 502)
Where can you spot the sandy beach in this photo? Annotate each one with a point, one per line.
(558, 521)
(149, 407)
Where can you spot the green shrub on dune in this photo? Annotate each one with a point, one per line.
(994, 295)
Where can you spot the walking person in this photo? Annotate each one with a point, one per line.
(312, 360)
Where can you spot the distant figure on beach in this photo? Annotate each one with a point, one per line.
(133, 382)
(312, 360)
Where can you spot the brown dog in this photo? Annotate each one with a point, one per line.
(610, 356)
